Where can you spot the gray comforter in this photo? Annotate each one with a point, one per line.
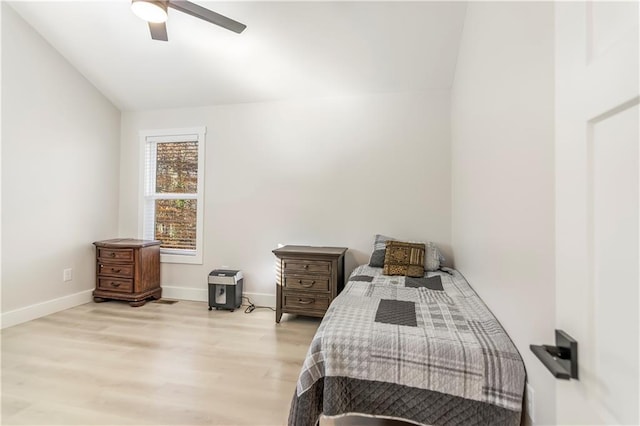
(425, 350)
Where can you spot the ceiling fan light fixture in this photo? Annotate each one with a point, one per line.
(150, 10)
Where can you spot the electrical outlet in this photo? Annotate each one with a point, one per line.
(67, 274)
(530, 403)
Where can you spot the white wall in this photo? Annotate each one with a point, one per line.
(503, 174)
(319, 172)
(60, 174)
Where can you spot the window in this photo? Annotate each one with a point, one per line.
(172, 192)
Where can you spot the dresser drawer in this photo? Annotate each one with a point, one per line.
(307, 283)
(116, 270)
(301, 301)
(115, 284)
(306, 266)
(115, 254)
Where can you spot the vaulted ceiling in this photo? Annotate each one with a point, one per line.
(289, 50)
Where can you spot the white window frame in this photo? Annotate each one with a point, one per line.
(146, 230)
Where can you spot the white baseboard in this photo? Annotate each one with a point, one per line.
(28, 313)
(202, 295)
(185, 293)
(262, 299)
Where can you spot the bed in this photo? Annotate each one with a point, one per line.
(424, 350)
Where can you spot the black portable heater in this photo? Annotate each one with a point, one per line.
(225, 289)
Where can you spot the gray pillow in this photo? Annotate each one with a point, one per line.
(379, 250)
(433, 257)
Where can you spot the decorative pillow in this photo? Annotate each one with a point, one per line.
(404, 259)
(379, 249)
(433, 257)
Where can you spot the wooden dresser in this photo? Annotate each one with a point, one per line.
(127, 269)
(308, 279)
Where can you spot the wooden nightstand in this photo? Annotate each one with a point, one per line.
(127, 269)
(308, 279)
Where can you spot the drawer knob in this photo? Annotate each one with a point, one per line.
(115, 270)
(305, 301)
(306, 266)
(112, 254)
(115, 284)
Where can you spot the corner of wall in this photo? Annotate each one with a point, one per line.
(503, 177)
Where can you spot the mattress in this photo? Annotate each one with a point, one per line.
(425, 350)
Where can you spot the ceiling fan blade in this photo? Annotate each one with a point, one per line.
(207, 15)
(158, 31)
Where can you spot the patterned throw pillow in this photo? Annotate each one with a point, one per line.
(404, 259)
(433, 257)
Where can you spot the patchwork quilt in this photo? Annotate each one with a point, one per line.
(426, 350)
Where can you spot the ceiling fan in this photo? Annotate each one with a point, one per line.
(155, 13)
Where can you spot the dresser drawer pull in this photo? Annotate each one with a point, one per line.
(116, 270)
(115, 284)
(307, 285)
(112, 254)
(305, 301)
(306, 266)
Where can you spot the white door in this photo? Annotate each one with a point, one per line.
(597, 224)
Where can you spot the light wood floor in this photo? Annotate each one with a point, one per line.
(175, 364)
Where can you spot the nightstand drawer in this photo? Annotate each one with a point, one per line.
(115, 284)
(306, 266)
(306, 283)
(115, 254)
(310, 301)
(116, 270)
